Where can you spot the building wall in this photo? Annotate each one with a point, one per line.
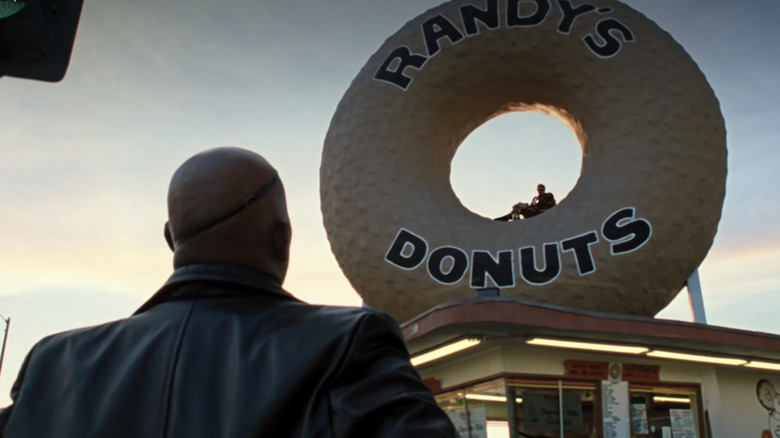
(743, 413)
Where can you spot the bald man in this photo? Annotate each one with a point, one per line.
(221, 350)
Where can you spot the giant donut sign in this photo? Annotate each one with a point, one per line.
(641, 217)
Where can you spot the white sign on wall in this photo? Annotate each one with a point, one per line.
(617, 417)
(683, 425)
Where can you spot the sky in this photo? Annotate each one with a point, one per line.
(86, 162)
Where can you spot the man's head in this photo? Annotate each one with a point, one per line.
(227, 205)
(540, 188)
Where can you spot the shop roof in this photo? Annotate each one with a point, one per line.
(515, 318)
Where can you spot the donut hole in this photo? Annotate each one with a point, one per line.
(501, 162)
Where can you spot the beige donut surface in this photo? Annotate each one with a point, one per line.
(645, 208)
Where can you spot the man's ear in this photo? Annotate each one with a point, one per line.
(168, 237)
(282, 236)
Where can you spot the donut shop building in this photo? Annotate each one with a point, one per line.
(518, 368)
(505, 367)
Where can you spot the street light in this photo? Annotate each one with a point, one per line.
(5, 338)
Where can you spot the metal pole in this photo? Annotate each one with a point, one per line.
(468, 415)
(560, 407)
(695, 298)
(5, 339)
(511, 413)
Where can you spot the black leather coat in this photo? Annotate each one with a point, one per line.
(222, 351)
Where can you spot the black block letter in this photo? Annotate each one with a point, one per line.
(625, 234)
(552, 263)
(397, 77)
(500, 271)
(458, 264)
(407, 251)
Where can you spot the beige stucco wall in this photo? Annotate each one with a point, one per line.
(743, 415)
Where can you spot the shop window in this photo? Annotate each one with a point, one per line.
(529, 407)
(664, 411)
(543, 400)
(480, 411)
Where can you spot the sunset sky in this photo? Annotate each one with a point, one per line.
(86, 162)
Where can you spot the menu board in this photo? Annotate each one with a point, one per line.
(683, 425)
(617, 420)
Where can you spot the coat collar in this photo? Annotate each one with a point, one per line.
(216, 272)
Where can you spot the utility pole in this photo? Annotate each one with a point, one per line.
(5, 339)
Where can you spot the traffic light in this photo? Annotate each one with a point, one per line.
(36, 37)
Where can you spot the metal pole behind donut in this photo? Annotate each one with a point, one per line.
(695, 298)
